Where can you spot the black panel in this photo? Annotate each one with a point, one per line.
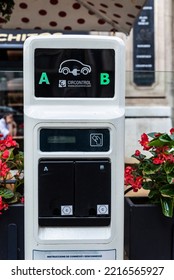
(92, 188)
(87, 140)
(12, 233)
(74, 193)
(56, 187)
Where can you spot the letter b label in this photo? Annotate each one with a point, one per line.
(104, 79)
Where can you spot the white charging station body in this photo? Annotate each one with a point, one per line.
(74, 147)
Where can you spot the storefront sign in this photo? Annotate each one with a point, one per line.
(17, 37)
(143, 43)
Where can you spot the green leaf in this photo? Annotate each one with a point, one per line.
(6, 193)
(153, 193)
(170, 178)
(140, 157)
(153, 134)
(156, 143)
(165, 138)
(168, 167)
(167, 190)
(11, 156)
(167, 206)
(15, 198)
(147, 185)
(151, 168)
(172, 136)
(162, 140)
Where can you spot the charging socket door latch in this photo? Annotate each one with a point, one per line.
(74, 192)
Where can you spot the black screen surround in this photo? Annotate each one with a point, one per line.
(74, 73)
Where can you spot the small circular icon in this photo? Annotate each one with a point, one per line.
(102, 209)
(66, 210)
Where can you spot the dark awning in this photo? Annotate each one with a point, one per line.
(75, 15)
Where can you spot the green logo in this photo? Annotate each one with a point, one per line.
(104, 79)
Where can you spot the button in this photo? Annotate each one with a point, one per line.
(66, 210)
(102, 209)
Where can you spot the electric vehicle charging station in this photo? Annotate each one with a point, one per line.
(74, 147)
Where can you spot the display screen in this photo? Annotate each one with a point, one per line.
(87, 140)
(74, 73)
(61, 139)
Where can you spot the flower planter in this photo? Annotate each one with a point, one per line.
(12, 233)
(149, 235)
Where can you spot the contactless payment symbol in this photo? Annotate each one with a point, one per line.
(96, 139)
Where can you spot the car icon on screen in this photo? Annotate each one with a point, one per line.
(75, 67)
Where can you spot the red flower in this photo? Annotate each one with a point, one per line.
(170, 158)
(162, 149)
(1, 203)
(158, 160)
(3, 169)
(144, 142)
(130, 179)
(137, 183)
(10, 160)
(2, 146)
(172, 131)
(137, 153)
(128, 170)
(5, 154)
(9, 142)
(3, 206)
(157, 135)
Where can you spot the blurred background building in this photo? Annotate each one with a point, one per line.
(148, 34)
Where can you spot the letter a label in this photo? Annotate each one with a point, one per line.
(44, 79)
